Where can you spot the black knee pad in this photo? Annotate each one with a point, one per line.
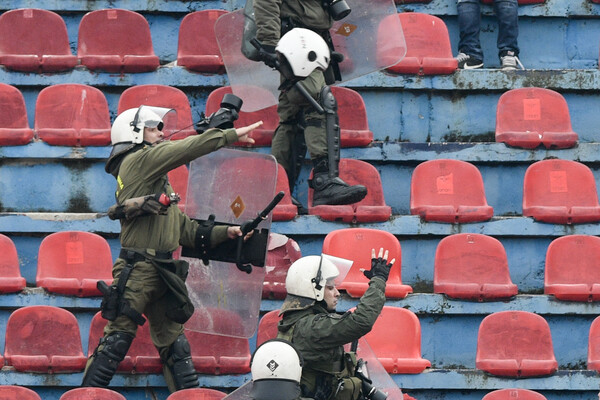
(180, 364)
(106, 360)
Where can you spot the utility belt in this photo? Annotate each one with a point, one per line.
(331, 385)
(133, 257)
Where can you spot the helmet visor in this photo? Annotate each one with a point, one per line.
(343, 265)
(165, 119)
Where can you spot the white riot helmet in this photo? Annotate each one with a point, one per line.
(304, 51)
(276, 368)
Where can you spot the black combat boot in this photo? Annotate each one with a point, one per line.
(333, 190)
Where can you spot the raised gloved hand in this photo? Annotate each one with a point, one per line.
(267, 55)
(379, 265)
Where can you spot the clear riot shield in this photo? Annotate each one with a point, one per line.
(381, 380)
(244, 392)
(235, 186)
(363, 37)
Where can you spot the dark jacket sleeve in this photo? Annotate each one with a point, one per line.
(268, 21)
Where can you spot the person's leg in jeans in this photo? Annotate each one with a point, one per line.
(469, 22)
(508, 27)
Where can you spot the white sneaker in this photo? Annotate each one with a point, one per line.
(510, 61)
(466, 61)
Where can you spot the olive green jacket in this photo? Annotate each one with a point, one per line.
(304, 13)
(144, 172)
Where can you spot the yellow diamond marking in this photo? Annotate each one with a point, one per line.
(238, 206)
(346, 29)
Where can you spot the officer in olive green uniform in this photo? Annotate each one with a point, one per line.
(311, 324)
(147, 279)
(274, 18)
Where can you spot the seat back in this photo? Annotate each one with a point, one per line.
(428, 48)
(285, 210)
(513, 394)
(31, 344)
(396, 341)
(560, 191)
(354, 127)
(356, 244)
(72, 114)
(72, 262)
(472, 266)
(161, 96)
(370, 209)
(142, 356)
(116, 40)
(448, 191)
(197, 48)
(35, 40)
(515, 344)
(197, 394)
(593, 359)
(267, 327)
(572, 269)
(10, 273)
(12, 392)
(261, 135)
(281, 254)
(14, 126)
(528, 117)
(91, 393)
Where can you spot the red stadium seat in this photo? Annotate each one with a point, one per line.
(267, 327)
(10, 275)
(32, 345)
(529, 117)
(448, 191)
(161, 96)
(396, 341)
(34, 40)
(282, 252)
(72, 262)
(14, 126)
(285, 210)
(472, 266)
(560, 192)
(355, 244)
(515, 344)
(91, 393)
(428, 49)
(573, 269)
(593, 361)
(354, 127)
(72, 114)
(11, 392)
(142, 356)
(262, 135)
(197, 394)
(370, 209)
(513, 394)
(197, 48)
(178, 178)
(214, 354)
(116, 40)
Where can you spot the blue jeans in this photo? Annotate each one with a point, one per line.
(469, 23)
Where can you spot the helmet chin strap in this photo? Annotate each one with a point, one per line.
(317, 279)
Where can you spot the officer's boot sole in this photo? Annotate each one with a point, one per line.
(339, 195)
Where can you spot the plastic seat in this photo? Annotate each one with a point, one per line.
(91, 393)
(214, 354)
(572, 271)
(515, 344)
(14, 126)
(267, 327)
(72, 114)
(116, 40)
(512, 394)
(428, 49)
(12, 392)
(282, 252)
(178, 178)
(435, 196)
(161, 96)
(197, 394)
(34, 40)
(72, 262)
(197, 48)
(354, 127)
(396, 341)
(370, 209)
(32, 345)
(285, 210)
(529, 117)
(262, 135)
(10, 275)
(472, 266)
(593, 361)
(142, 356)
(560, 192)
(355, 244)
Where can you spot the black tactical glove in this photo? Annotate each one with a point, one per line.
(379, 267)
(268, 56)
